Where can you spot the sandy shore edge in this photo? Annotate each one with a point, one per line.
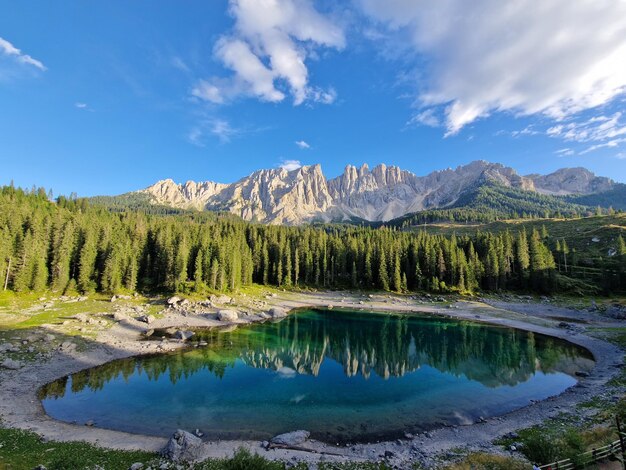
(20, 407)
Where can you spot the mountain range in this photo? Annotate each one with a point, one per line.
(279, 196)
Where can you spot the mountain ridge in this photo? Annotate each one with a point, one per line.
(383, 193)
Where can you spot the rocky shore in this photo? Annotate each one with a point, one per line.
(48, 352)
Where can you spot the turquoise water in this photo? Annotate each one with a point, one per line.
(345, 376)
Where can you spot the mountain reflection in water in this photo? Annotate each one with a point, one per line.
(378, 352)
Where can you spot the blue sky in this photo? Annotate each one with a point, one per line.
(108, 97)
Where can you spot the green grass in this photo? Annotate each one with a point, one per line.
(483, 461)
(578, 232)
(23, 310)
(25, 450)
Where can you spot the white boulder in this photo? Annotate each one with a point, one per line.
(227, 315)
(183, 447)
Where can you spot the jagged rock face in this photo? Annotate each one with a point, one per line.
(184, 196)
(389, 192)
(383, 193)
(270, 196)
(571, 181)
(277, 196)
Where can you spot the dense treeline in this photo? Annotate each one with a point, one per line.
(133, 202)
(615, 198)
(70, 246)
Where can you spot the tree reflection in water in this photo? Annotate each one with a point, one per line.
(387, 345)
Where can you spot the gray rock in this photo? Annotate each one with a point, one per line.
(183, 446)
(136, 466)
(11, 364)
(290, 438)
(81, 317)
(183, 335)
(67, 346)
(173, 300)
(119, 316)
(220, 299)
(616, 311)
(146, 319)
(227, 315)
(278, 312)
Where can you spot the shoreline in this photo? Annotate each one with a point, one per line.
(21, 408)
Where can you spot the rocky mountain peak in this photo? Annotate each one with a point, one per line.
(571, 181)
(385, 192)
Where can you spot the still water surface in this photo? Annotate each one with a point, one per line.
(345, 376)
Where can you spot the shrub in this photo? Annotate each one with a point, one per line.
(540, 446)
(481, 461)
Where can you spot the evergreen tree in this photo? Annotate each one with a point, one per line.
(198, 275)
(397, 274)
(383, 275)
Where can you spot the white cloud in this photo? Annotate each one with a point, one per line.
(528, 130)
(80, 105)
(179, 64)
(600, 132)
(267, 51)
(302, 144)
(554, 58)
(566, 152)
(209, 92)
(219, 128)
(286, 372)
(222, 130)
(610, 144)
(290, 165)
(621, 156)
(319, 95)
(599, 128)
(8, 49)
(428, 117)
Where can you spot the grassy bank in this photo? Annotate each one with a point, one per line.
(23, 450)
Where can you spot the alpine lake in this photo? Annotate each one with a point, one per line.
(345, 376)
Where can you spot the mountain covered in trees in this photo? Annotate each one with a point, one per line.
(72, 246)
(279, 196)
